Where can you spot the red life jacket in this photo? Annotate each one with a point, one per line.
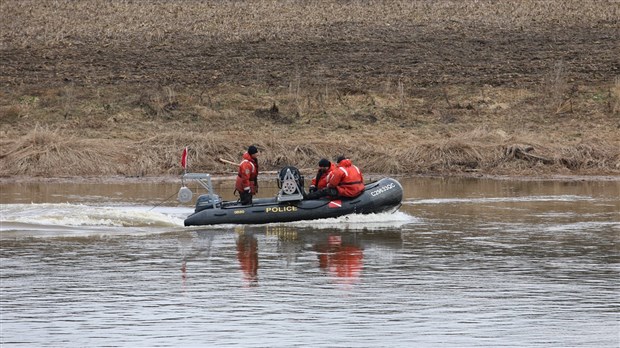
(247, 175)
(347, 179)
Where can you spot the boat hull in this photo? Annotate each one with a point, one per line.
(381, 196)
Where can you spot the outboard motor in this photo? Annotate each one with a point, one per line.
(291, 184)
(208, 201)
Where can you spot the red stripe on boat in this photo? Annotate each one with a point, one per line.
(335, 204)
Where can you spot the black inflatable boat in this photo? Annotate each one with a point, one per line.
(384, 195)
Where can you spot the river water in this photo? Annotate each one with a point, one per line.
(464, 263)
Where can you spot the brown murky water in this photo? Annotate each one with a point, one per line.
(464, 262)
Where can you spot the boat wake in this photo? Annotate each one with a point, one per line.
(359, 222)
(85, 218)
(79, 219)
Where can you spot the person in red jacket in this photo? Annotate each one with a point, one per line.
(345, 180)
(247, 177)
(320, 181)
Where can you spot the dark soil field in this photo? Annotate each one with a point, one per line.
(94, 88)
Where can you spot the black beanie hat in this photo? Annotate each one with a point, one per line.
(340, 158)
(252, 150)
(324, 163)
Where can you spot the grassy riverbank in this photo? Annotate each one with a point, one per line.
(93, 88)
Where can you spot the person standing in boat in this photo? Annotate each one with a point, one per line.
(345, 180)
(320, 181)
(247, 177)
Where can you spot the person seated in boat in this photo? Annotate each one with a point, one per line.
(247, 177)
(320, 181)
(346, 180)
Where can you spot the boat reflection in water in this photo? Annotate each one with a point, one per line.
(342, 260)
(247, 254)
(267, 250)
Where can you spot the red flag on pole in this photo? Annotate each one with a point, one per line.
(184, 158)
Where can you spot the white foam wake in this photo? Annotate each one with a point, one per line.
(360, 221)
(73, 215)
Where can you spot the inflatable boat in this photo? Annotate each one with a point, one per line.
(384, 195)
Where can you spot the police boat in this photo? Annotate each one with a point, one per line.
(384, 195)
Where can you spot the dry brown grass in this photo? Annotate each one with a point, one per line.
(133, 142)
(400, 127)
(45, 152)
(590, 154)
(51, 153)
(614, 97)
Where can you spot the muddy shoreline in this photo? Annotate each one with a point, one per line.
(271, 176)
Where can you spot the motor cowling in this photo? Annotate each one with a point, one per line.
(208, 201)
